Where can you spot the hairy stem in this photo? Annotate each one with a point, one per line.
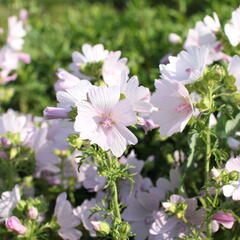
(207, 169)
(208, 155)
(115, 202)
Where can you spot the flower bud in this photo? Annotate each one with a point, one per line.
(24, 57)
(23, 15)
(174, 38)
(14, 224)
(101, 227)
(3, 155)
(223, 217)
(5, 142)
(215, 173)
(171, 207)
(234, 175)
(55, 113)
(125, 228)
(33, 213)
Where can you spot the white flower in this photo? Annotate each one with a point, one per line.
(104, 120)
(89, 176)
(234, 69)
(187, 67)
(66, 219)
(204, 35)
(141, 212)
(72, 96)
(174, 107)
(232, 29)
(91, 54)
(66, 80)
(233, 188)
(8, 59)
(14, 122)
(85, 214)
(114, 69)
(212, 23)
(138, 96)
(16, 32)
(8, 202)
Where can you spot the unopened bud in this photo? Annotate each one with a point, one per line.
(234, 175)
(3, 155)
(215, 173)
(55, 113)
(14, 224)
(101, 227)
(33, 213)
(174, 38)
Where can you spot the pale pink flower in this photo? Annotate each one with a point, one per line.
(223, 218)
(147, 124)
(114, 68)
(141, 213)
(204, 34)
(17, 123)
(14, 224)
(8, 59)
(8, 202)
(174, 107)
(90, 178)
(233, 188)
(187, 67)
(233, 69)
(104, 120)
(138, 96)
(66, 80)
(85, 214)
(168, 228)
(16, 32)
(212, 23)
(232, 29)
(90, 54)
(164, 186)
(70, 97)
(66, 219)
(126, 189)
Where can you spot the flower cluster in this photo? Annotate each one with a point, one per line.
(10, 53)
(73, 174)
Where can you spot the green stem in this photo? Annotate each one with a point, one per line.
(115, 203)
(62, 172)
(114, 192)
(208, 155)
(207, 169)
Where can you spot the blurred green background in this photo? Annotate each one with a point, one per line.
(139, 28)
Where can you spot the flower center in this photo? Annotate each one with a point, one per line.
(184, 107)
(106, 122)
